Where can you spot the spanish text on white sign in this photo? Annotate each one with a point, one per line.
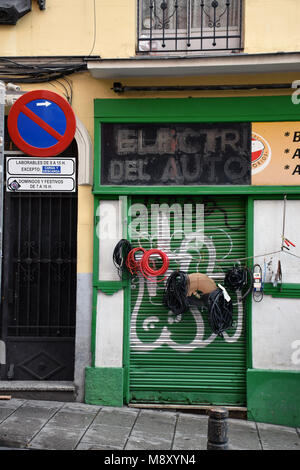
(44, 174)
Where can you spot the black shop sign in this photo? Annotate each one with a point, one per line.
(176, 154)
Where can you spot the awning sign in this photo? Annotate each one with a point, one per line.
(31, 174)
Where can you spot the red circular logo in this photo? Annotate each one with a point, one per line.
(261, 153)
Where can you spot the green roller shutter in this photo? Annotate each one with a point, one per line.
(179, 359)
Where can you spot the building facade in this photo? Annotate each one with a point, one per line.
(187, 141)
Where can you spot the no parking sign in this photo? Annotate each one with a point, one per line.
(41, 123)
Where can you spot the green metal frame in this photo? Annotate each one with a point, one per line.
(109, 288)
(247, 109)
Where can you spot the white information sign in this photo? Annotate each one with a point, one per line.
(40, 174)
(27, 183)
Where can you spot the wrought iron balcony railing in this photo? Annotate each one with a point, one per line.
(168, 26)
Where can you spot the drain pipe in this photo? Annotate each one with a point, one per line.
(2, 114)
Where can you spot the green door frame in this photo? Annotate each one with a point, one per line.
(237, 109)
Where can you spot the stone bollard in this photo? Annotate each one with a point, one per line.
(217, 429)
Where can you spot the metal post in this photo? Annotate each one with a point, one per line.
(217, 429)
(2, 113)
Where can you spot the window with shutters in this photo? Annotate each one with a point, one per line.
(189, 26)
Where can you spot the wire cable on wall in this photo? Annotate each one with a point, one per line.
(95, 29)
(132, 262)
(220, 310)
(142, 265)
(120, 254)
(176, 291)
(238, 278)
(17, 72)
(149, 272)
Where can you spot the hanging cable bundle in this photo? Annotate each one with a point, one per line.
(145, 268)
(175, 294)
(121, 251)
(218, 303)
(132, 263)
(219, 311)
(237, 278)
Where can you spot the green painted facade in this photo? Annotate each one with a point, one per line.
(252, 109)
(273, 396)
(104, 386)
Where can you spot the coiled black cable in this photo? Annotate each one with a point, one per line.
(175, 293)
(219, 309)
(121, 250)
(238, 278)
(219, 312)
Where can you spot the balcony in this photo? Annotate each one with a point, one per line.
(189, 26)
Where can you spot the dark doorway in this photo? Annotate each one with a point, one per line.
(39, 284)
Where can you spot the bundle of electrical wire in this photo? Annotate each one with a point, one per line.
(147, 271)
(219, 311)
(120, 254)
(132, 263)
(238, 278)
(175, 293)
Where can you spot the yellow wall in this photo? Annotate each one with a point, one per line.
(73, 27)
(108, 28)
(272, 26)
(65, 27)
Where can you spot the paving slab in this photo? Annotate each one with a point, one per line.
(104, 435)
(152, 430)
(155, 422)
(191, 432)
(243, 435)
(142, 441)
(65, 429)
(18, 432)
(124, 417)
(275, 437)
(67, 419)
(39, 410)
(55, 438)
(90, 446)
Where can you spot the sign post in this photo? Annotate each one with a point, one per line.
(2, 111)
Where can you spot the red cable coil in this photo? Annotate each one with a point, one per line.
(143, 265)
(132, 264)
(145, 268)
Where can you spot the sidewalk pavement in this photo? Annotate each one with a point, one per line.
(52, 425)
